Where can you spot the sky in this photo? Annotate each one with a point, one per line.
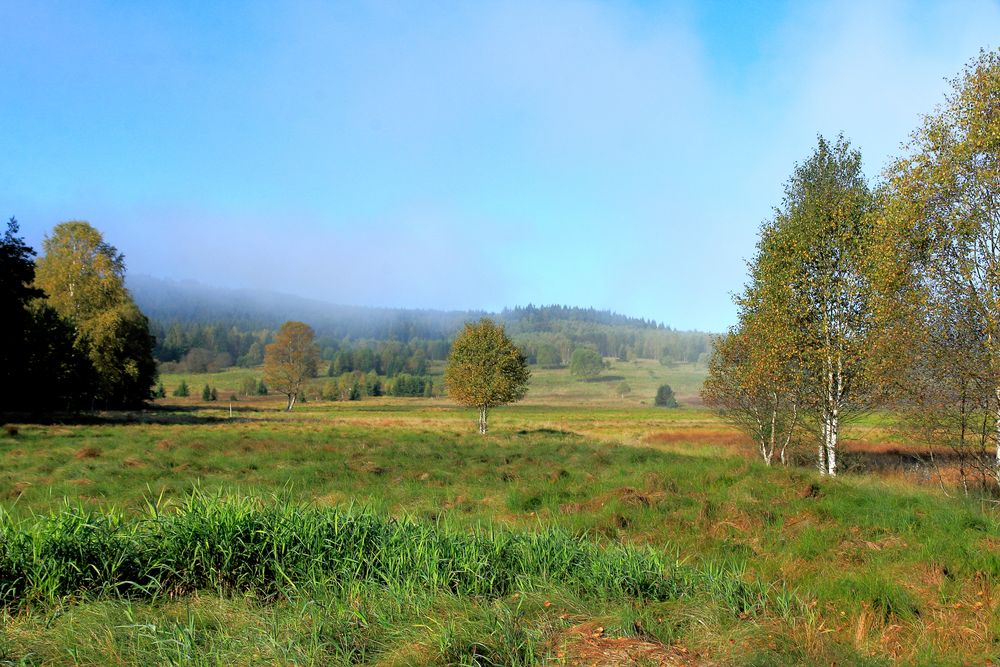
(466, 155)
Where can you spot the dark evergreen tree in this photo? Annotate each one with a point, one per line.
(665, 397)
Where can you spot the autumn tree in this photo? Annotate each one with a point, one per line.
(752, 388)
(290, 360)
(799, 351)
(485, 369)
(938, 263)
(756, 372)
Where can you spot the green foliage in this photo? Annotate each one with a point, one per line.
(665, 397)
(84, 281)
(586, 363)
(485, 369)
(411, 385)
(799, 352)
(182, 390)
(936, 262)
(240, 545)
(547, 356)
(248, 386)
(161, 391)
(40, 367)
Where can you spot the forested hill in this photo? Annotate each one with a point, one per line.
(188, 316)
(186, 303)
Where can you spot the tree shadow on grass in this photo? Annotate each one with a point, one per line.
(548, 431)
(606, 378)
(160, 416)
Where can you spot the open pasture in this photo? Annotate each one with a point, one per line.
(742, 564)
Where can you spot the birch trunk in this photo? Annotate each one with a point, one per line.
(482, 420)
(291, 402)
(996, 468)
(834, 431)
(831, 442)
(774, 422)
(788, 433)
(821, 456)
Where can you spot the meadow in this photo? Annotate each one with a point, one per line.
(585, 529)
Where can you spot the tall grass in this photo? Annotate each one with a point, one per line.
(237, 544)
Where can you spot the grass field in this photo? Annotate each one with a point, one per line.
(549, 386)
(387, 532)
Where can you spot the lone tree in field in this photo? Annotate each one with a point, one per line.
(585, 363)
(485, 369)
(290, 360)
(665, 397)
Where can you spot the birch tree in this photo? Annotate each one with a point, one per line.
(755, 378)
(290, 360)
(798, 354)
(485, 369)
(940, 248)
(820, 248)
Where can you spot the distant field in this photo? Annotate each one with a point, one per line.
(548, 386)
(671, 544)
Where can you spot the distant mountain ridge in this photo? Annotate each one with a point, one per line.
(167, 301)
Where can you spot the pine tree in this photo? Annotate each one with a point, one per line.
(665, 397)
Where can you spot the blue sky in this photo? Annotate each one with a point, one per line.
(455, 155)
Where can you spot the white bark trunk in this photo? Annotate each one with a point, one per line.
(789, 432)
(831, 452)
(482, 420)
(831, 443)
(291, 402)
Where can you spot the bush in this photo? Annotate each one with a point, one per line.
(182, 389)
(665, 397)
(586, 363)
(248, 386)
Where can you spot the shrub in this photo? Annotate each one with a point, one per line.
(665, 397)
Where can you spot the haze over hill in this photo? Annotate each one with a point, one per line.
(194, 302)
(613, 154)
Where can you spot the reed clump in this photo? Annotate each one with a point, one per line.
(237, 545)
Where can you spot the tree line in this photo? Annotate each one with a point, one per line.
(864, 297)
(72, 338)
(199, 347)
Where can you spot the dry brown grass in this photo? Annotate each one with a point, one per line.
(586, 645)
(681, 438)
